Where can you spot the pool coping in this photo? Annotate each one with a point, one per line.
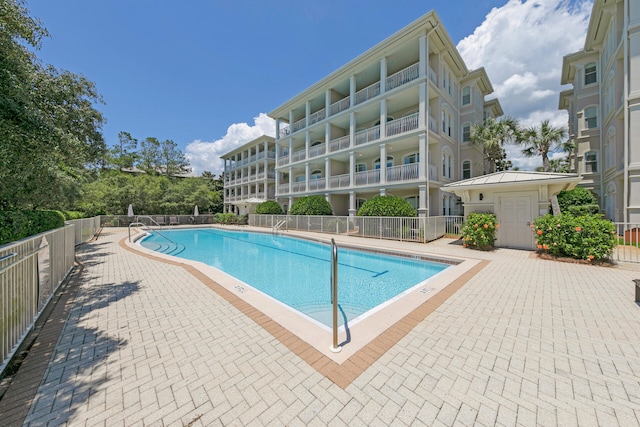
(370, 338)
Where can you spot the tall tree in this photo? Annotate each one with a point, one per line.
(172, 159)
(49, 128)
(124, 153)
(540, 140)
(149, 155)
(491, 136)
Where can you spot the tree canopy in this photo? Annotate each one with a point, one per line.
(540, 140)
(491, 136)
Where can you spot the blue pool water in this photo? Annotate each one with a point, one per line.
(297, 271)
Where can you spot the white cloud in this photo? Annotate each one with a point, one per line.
(521, 45)
(205, 156)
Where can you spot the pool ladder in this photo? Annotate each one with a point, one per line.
(335, 348)
(278, 226)
(147, 227)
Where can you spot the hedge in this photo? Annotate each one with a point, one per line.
(16, 225)
(387, 206)
(311, 205)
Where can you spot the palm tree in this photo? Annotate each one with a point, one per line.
(491, 136)
(542, 139)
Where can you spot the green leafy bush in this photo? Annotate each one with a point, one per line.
(270, 207)
(387, 206)
(16, 225)
(586, 237)
(576, 197)
(69, 215)
(311, 205)
(225, 218)
(479, 230)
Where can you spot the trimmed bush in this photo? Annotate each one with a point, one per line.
(270, 207)
(569, 199)
(587, 237)
(226, 218)
(16, 225)
(311, 205)
(479, 230)
(69, 215)
(387, 206)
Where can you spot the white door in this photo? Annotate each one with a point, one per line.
(515, 217)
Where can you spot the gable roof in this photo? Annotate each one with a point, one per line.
(514, 177)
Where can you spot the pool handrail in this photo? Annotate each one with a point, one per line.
(335, 348)
(149, 228)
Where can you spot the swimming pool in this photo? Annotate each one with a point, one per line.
(296, 271)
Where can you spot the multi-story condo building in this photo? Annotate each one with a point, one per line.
(249, 175)
(396, 120)
(604, 107)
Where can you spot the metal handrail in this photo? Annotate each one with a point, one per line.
(335, 348)
(149, 228)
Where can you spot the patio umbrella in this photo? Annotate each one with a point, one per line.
(130, 211)
(195, 211)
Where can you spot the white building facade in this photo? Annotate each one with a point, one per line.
(396, 120)
(604, 107)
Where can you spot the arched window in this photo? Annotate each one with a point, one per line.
(316, 142)
(466, 169)
(447, 163)
(376, 164)
(316, 174)
(591, 117)
(590, 74)
(591, 162)
(412, 158)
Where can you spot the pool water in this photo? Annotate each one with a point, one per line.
(297, 272)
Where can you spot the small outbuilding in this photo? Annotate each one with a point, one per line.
(516, 197)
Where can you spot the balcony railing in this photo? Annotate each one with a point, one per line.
(367, 93)
(298, 155)
(403, 76)
(283, 160)
(339, 106)
(317, 184)
(283, 188)
(403, 124)
(403, 173)
(339, 144)
(317, 116)
(299, 124)
(368, 135)
(433, 76)
(368, 177)
(433, 124)
(284, 132)
(317, 150)
(297, 187)
(340, 181)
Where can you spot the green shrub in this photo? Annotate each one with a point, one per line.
(311, 205)
(226, 218)
(582, 210)
(69, 215)
(576, 197)
(16, 225)
(479, 230)
(387, 206)
(270, 207)
(586, 237)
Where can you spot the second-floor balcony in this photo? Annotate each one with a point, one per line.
(368, 135)
(403, 124)
(339, 143)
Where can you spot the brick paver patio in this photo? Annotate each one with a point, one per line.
(524, 341)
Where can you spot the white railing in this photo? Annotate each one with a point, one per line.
(414, 229)
(283, 189)
(433, 124)
(85, 228)
(628, 249)
(339, 144)
(339, 106)
(403, 124)
(284, 132)
(299, 125)
(367, 93)
(317, 150)
(297, 187)
(298, 155)
(433, 76)
(403, 173)
(368, 135)
(283, 160)
(317, 116)
(31, 270)
(403, 76)
(368, 177)
(340, 181)
(317, 184)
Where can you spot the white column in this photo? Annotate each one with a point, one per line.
(327, 102)
(307, 113)
(307, 143)
(277, 128)
(290, 179)
(327, 136)
(352, 90)
(383, 163)
(352, 203)
(306, 177)
(352, 129)
(352, 168)
(423, 166)
(383, 75)
(423, 121)
(383, 118)
(424, 55)
(327, 173)
(423, 200)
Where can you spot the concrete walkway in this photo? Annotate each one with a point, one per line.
(523, 342)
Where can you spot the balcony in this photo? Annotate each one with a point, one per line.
(339, 144)
(317, 150)
(317, 116)
(368, 135)
(403, 76)
(433, 76)
(368, 177)
(299, 155)
(283, 188)
(299, 125)
(339, 106)
(317, 184)
(283, 160)
(433, 124)
(298, 187)
(284, 132)
(340, 181)
(403, 173)
(367, 93)
(402, 125)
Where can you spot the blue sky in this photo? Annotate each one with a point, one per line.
(204, 73)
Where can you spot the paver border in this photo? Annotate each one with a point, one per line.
(340, 374)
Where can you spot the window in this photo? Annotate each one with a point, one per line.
(412, 158)
(359, 203)
(316, 174)
(590, 74)
(413, 201)
(466, 169)
(300, 178)
(591, 162)
(376, 164)
(591, 117)
(447, 121)
(466, 132)
(317, 142)
(466, 95)
(361, 167)
(447, 163)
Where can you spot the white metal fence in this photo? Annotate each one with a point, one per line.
(628, 249)
(391, 228)
(31, 270)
